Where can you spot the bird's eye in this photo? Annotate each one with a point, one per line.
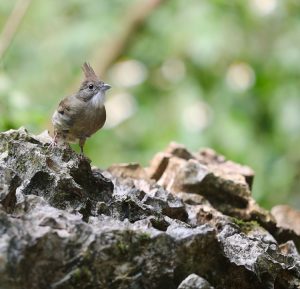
(91, 87)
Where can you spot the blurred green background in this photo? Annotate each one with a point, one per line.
(217, 73)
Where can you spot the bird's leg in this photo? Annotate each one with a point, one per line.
(55, 138)
(81, 144)
(53, 142)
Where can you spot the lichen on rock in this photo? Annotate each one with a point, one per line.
(186, 221)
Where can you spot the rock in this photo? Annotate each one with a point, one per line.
(218, 184)
(63, 178)
(179, 150)
(158, 165)
(287, 217)
(9, 182)
(289, 249)
(193, 281)
(224, 184)
(190, 198)
(130, 228)
(169, 178)
(210, 157)
(287, 224)
(132, 170)
(166, 203)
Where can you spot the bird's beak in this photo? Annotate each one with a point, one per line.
(105, 87)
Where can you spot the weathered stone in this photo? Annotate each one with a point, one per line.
(223, 189)
(158, 165)
(194, 281)
(179, 150)
(59, 175)
(132, 170)
(169, 177)
(210, 157)
(226, 185)
(9, 182)
(289, 249)
(166, 203)
(139, 199)
(121, 229)
(287, 217)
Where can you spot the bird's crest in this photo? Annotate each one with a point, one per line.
(89, 72)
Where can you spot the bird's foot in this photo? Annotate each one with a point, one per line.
(52, 144)
(83, 157)
(81, 145)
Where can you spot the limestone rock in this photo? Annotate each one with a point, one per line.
(193, 281)
(158, 165)
(66, 225)
(63, 178)
(132, 170)
(179, 150)
(287, 217)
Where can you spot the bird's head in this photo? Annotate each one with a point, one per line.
(91, 86)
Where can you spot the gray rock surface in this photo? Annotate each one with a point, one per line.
(193, 281)
(287, 217)
(64, 224)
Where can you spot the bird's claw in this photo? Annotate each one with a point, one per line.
(52, 145)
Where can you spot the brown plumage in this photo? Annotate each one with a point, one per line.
(80, 115)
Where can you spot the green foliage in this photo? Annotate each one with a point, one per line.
(223, 74)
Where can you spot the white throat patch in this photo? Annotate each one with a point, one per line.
(98, 99)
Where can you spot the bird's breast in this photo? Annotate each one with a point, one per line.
(90, 121)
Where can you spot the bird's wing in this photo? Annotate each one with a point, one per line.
(66, 113)
(64, 106)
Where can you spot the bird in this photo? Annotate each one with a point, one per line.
(80, 115)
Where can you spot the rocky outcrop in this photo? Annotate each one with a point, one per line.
(186, 221)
